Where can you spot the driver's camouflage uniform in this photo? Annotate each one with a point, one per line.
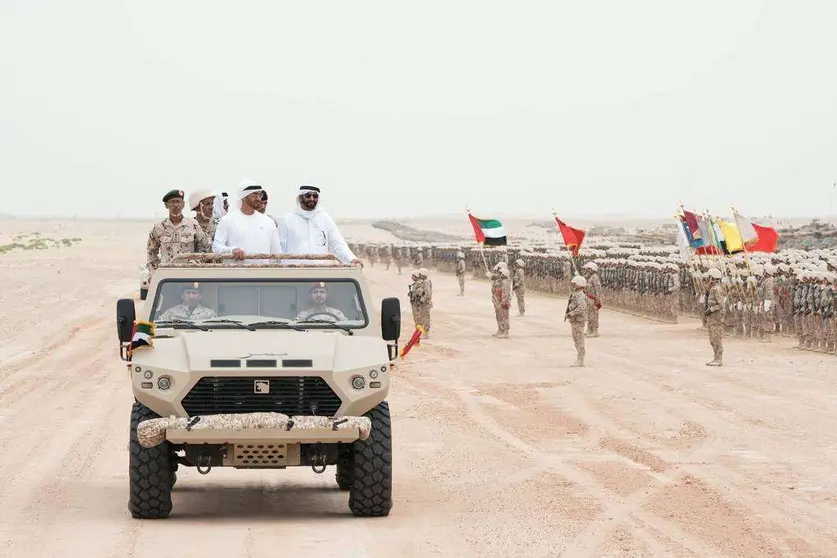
(184, 312)
(324, 310)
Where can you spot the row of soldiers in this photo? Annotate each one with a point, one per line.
(789, 293)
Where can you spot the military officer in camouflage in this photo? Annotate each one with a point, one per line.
(190, 309)
(201, 203)
(713, 309)
(460, 271)
(319, 310)
(519, 286)
(501, 298)
(175, 234)
(576, 313)
(594, 295)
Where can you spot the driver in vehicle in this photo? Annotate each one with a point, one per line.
(190, 308)
(319, 310)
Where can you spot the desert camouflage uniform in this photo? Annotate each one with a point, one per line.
(321, 309)
(576, 314)
(460, 274)
(209, 226)
(184, 312)
(714, 322)
(519, 288)
(767, 303)
(501, 299)
(799, 310)
(166, 240)
(594, 301)
(386, 255)
(421, 302)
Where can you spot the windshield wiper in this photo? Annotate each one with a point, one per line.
(225, 321)
(347, 329)
(184, 322)
(278, 323)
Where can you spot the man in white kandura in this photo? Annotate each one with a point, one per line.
(310, 230)
(245, 230)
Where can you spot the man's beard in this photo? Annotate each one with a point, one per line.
(309, 205)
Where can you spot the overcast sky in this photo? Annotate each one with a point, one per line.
(397, 108)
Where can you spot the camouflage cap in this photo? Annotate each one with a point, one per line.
(318, 285)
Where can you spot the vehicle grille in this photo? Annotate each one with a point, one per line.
(290, 395)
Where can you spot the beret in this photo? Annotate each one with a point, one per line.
(173, 194)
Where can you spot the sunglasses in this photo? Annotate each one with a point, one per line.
(311, 195)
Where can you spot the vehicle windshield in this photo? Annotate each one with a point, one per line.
(335, 303)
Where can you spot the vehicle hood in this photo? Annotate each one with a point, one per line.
(327, 350)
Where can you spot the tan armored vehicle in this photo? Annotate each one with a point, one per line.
(263, 365)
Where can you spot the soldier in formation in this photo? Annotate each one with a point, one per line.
(790, 293)
(460, 272)
(594, 297)
(576, 314)
(501, 298)
(519, 286)
(714, 307)
(420, 294)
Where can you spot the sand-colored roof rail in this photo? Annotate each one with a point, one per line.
(199, 259)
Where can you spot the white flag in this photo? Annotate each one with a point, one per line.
(683, 244)
(745, 229)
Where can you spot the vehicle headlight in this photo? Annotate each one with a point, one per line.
(164, 382)
(358, 382)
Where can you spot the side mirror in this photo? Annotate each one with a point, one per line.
(125, 317)
(391, 319)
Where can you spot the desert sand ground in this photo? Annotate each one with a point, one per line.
(501, 449)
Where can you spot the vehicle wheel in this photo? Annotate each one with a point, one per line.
(143, 294)
(371, 491)
(150, 472)
(345, 470)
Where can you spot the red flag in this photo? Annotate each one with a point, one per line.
(712, 250)
(572, 237)
(414, 340)
(692, 222)
(768, 240)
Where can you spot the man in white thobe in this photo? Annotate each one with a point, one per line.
(310, 230)
(246, 230)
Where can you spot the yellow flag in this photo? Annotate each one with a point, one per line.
(731, 236)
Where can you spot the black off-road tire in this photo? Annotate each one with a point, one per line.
(371, 491)
(143, 294)
(150, 472)
(345, 470)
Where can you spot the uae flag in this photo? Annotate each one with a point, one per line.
(488, 231)
(143, 336)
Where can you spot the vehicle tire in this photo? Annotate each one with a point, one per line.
(371, 491)
(150, 472)
(143, 294)
(345, 470)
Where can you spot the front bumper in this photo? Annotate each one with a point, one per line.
(252, 428)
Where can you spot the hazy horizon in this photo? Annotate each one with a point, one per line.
(398, 111)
